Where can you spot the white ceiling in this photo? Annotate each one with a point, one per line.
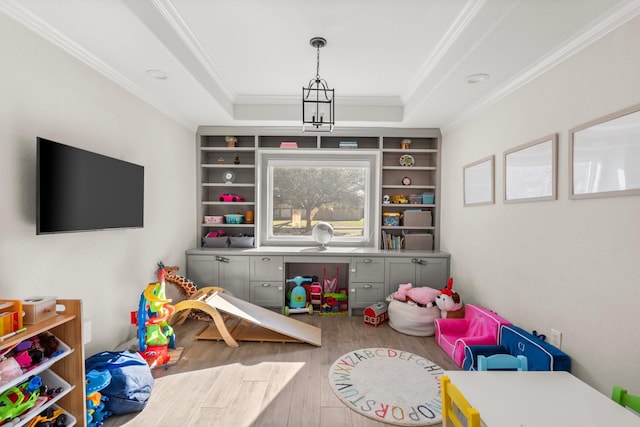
(400, 63)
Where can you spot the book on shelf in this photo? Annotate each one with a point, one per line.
(392, 241)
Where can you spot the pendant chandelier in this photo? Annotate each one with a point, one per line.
(317, 98)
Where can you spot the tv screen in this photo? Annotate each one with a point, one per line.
(78, 190)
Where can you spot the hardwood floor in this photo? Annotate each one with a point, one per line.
(266, 384)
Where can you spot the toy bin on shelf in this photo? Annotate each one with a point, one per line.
(234, 219)
(418, 241)
(63, 351)
(418, 218)
(428, 198)
(215, 242)
(10, 316)
(241, 241)
(391, 219)
(53, 382)
(213, 219)
(37, 309)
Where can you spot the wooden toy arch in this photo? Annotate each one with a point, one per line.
(255, 323)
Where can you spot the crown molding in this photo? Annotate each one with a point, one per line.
(175, 21)
(590, 35)
(24, 16)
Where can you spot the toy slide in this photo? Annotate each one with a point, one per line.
(256, 323)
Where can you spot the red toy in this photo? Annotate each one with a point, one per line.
(376, 314)
(315, 295)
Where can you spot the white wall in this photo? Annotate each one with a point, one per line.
(45, 92)
(572, 265)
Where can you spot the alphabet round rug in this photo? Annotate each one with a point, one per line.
(390, 386)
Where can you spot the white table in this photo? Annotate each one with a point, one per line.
(539, 399)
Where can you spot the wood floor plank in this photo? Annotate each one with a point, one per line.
(266, 384)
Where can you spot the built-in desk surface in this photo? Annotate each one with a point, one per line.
(317, 251)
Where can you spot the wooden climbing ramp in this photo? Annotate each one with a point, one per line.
(238, 320)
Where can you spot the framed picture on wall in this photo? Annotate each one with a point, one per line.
(478, 182)
(531, 171)
(604, 156)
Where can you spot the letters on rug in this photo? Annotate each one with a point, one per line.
(388, 385)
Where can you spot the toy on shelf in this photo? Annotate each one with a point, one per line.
(228, 197)
(329, 284)
(334, 300)
(450, 302)
(54, 417)
(155, 335)
(315, 295)
(298, 298)
(19, 399)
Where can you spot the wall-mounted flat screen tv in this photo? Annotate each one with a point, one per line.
(78, 190)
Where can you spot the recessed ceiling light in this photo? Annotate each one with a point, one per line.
(157, 74)
(477, 78)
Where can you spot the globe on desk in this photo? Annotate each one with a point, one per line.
(322, 233)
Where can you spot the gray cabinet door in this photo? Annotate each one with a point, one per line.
(228, 272)
(233, 275)
(432, 272)
(419, 271)
(202, 270)
(399, 270)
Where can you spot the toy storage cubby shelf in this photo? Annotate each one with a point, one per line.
(419, 174)
(215, 157)
(67, 370)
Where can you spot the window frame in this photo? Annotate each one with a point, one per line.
(267, 157)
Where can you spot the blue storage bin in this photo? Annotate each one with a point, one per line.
(428, 198)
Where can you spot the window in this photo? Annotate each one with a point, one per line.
(299, 188)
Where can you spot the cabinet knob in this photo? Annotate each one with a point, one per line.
(266, 259)
(353, 290)
(279, 288)
(367, 260)
(266, 285)
(279, 268)
(418, 261)
(368, 286)
(353, 270)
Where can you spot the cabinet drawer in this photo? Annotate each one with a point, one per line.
(365, 294)
(267, 268)
(366, 269)
(267, 294)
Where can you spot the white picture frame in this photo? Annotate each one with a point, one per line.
(531, 171)
(604, 156)
(478, 182)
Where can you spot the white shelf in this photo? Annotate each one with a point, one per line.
(52, 381)
(64, 351)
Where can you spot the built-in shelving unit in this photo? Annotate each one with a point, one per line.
(411, 180)
(215, 157)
